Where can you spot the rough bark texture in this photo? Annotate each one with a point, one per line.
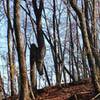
(24, 90)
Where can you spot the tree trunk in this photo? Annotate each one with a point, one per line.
(39, 36)
(10, 53)
(24, 91)
(86, 45)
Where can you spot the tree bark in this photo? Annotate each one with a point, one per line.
(10, 49)
(86, 45)
(39, 36)
(24, 91)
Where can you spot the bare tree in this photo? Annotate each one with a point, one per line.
(39, 36)
(87, 44)
(10, 46)
(24, 91)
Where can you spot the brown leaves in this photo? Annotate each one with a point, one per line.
(81, 90)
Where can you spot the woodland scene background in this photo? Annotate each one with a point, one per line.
(49, 44)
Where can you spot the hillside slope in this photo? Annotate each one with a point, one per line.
(74, 91)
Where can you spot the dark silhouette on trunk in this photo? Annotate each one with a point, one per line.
(39, 35)
(33, 72)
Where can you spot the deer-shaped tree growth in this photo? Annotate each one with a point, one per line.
(37, 53)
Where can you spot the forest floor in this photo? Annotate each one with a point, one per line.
(82, 90)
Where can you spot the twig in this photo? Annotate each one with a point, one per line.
(96, 96)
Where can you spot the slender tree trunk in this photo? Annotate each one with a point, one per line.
(39, 36)
(24, 91)
(1, 89)
(10, 51)
(71, 48)
(78, 46)
(85, 66)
